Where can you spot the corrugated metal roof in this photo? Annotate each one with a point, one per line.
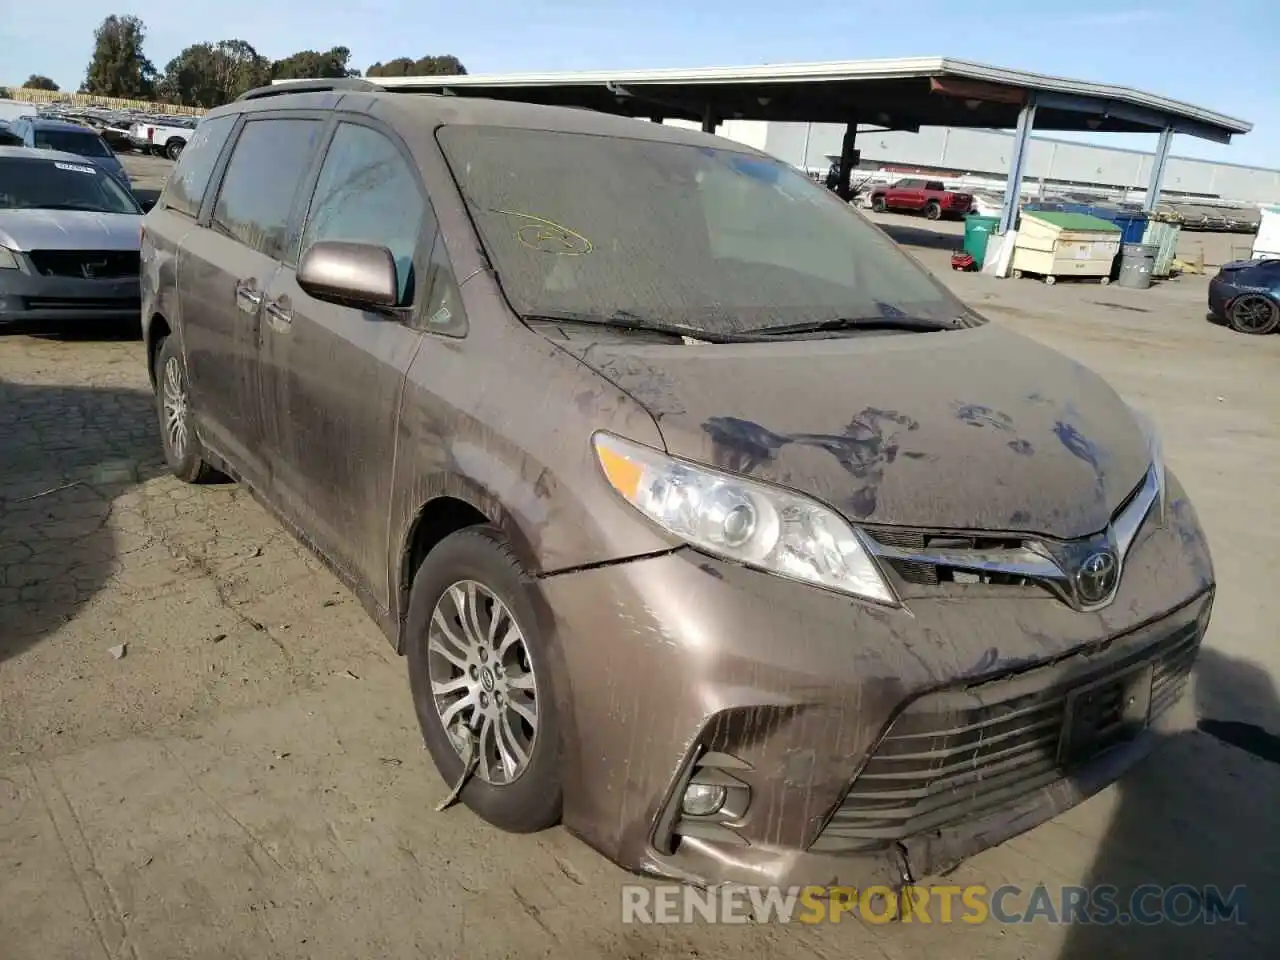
(835, 71)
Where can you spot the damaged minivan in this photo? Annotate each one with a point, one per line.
(709, 523)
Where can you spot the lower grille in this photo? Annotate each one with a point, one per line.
(941, 763)
(91, 264)
(71, 304)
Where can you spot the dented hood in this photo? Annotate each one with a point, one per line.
(977, 429)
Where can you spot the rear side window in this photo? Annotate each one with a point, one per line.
(366, 193)
(185, 190)
(934, 185)
(70, 141)
(258, 190)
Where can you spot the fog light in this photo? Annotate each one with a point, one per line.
(703, 799)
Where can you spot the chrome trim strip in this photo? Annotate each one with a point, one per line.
(1032, 559)
(1019, 563)
(1125, 527)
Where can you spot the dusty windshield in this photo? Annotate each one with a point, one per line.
(699, 237)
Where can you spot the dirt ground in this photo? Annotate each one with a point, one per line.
(247, 780)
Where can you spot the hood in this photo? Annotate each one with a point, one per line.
(974, 429)
(68, 230)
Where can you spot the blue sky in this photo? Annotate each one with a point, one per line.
(1222, 55)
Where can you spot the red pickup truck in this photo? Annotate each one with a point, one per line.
(916, 195)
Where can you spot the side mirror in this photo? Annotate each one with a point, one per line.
(352, 274)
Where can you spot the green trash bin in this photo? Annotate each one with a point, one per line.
(977, 231)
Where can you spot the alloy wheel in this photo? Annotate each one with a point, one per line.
(482, 680)
(1253, 314)
(175, 405)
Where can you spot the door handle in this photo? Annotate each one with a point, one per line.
(278, 313)
(248, 296)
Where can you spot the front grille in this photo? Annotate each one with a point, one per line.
(941, 763)
(72, 304)
(91, 264)
(931, 574)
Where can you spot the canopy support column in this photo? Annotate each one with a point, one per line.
(1157, 169)
(709, 122)
(848, 157)
(1013, 186)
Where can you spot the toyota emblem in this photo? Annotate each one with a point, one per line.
(1096, 577)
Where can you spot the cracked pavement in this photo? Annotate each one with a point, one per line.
(248, 779)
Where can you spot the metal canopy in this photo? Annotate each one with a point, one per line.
(902, 94)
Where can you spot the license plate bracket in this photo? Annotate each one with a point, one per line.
(1104, 713)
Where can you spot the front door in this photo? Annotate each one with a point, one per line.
(225, 272)
(332, 375)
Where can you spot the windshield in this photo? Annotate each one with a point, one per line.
(72, 141)
(699, 237)
(27, 184)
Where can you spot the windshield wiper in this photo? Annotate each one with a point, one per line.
(624, 320)
(879, 322)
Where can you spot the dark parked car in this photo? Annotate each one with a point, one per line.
(709, 522)
(68, 240)
(1246, 294)
(69, 138)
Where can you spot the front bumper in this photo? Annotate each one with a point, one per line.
(857, 745)
(25, 297)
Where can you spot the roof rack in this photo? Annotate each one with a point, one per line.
(279, 89)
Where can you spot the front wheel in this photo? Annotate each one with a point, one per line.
(877, 204)
(1253, 313)
(480, 672)
(182, 450)
(1051, 280)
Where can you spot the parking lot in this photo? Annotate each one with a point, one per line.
(208, 750)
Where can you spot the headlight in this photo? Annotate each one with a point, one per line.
(753, 523)
(1155, 450)
(7, 260)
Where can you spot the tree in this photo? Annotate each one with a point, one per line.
(39, 82)
(308, 64)
(118, 67)
(211, 74)
(442, 66)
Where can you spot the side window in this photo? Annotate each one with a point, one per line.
(185, 189)
(934, 185)
(256, 198)
(366, 193)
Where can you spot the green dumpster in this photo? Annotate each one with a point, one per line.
(977, 231)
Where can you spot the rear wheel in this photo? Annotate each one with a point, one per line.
(182, 450)
(480, 672)
(1051, 279)
(933, 210)
(877, 204)
(173, 149)
(1253, 313)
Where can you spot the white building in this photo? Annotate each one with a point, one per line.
(986, 154)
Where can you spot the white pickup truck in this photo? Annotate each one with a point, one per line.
(164, 137)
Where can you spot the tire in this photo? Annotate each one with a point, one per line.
(523, 797)
(182, 450)
(933, 210)
(1104, 280)
(1050, 280)
(1253, 313)
(877, 204)
(173, 149)
(1017, 274)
